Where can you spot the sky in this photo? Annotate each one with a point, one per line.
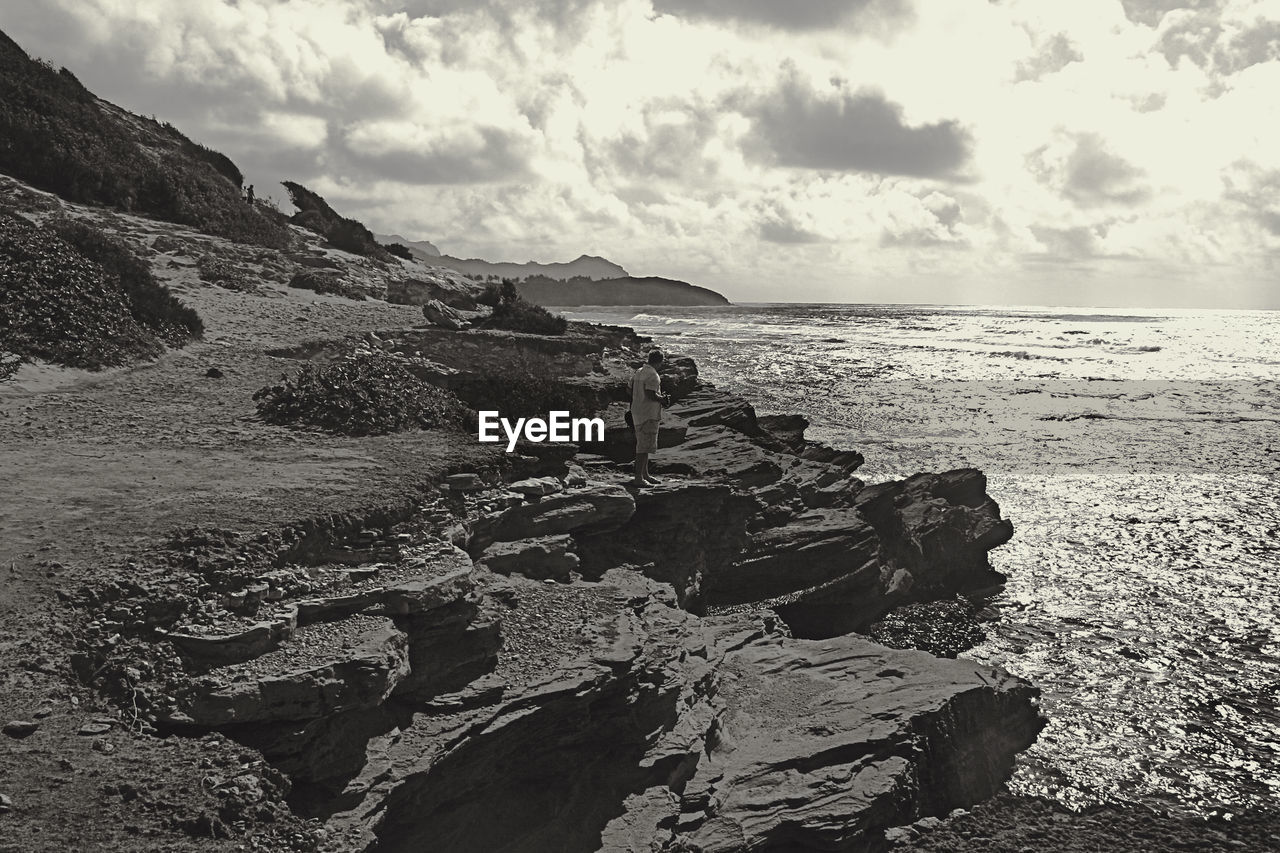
(1096, 152)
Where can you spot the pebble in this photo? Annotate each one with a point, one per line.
(19, 729)
(95, 727)
(5, 803)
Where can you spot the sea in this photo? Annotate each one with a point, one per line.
(1137, 453)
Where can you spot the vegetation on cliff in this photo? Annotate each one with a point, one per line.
(315, 214)
(56, 135)
(77, 297)
(150, 302)
(371, 394)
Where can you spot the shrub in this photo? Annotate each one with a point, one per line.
(9, 364)
(223, 273)
(516, 315)
(60, 306)
(513, 313)
(400, 250)
(150, 303)
(323, 282)
(361, 395)
(491, 295)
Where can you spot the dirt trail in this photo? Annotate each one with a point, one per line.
(98, 468)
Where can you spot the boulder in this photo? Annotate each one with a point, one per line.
(439, 314)
(464, 482)
(539, 559)
(537, 486)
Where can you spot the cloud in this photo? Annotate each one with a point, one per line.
(794, 15)
(1151, 12)
(1257, 192)
(414, 153)
(1083, 169)
(859, 132)
(1052, 56)
(781, 231)
(1069, 244)
(936, 220)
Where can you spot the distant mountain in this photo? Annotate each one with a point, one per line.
(58, 136)
(624, 290)
(586, 266)
(421, 249)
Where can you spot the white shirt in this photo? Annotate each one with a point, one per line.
(642, 408)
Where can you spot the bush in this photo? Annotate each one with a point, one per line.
(516, 315)
(361, 395)
(60, 306)
(150, 303)
(223, 273)
(400, 250)
(9, 364)
(323, 282)
(491, 295)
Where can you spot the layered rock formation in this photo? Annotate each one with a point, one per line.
(541, 659)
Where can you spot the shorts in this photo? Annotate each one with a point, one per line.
(647, 437)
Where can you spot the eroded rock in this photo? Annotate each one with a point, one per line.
(546, 557)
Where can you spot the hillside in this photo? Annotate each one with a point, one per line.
(57, 136)
(585, 266)
(618, 291)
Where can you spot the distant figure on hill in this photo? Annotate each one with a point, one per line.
(249, 195)
(647, 401)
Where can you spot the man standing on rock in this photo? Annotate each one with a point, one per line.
(647, 401)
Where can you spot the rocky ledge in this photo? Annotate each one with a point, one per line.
(539, 658)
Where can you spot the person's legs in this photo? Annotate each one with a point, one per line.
(642, 468)
(646, 443)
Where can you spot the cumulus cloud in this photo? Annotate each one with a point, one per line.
(859, 132)
(1087, 172)
(1050, 57)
